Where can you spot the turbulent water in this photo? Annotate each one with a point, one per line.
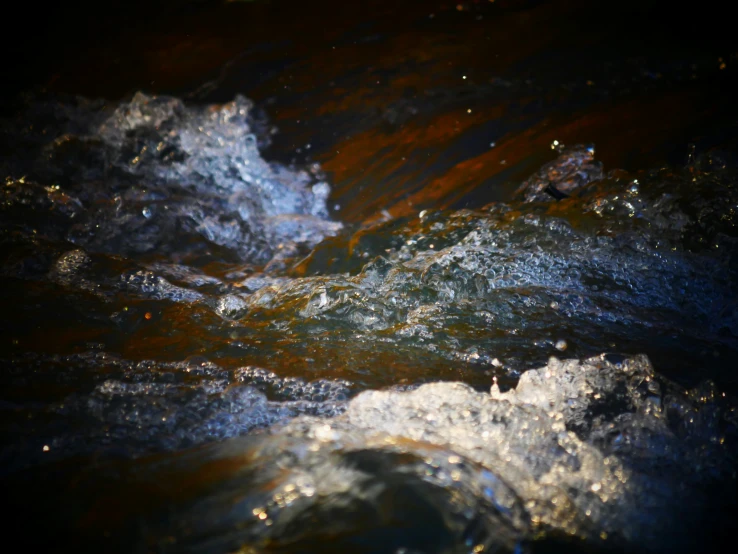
(167, 289)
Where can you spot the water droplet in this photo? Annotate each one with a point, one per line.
(146, 212)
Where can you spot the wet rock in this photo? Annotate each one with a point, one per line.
(573, 169)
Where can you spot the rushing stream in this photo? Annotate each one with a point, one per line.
(554, 370)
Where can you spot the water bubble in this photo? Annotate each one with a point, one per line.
(199, 164)
(231, 307)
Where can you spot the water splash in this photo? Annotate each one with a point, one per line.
(179, 180)
(211, 317)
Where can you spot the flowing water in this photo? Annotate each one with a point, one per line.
(200, 354)
(135, 305)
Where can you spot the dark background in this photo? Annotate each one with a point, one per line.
(376, 88)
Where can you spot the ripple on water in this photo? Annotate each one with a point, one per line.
(198, 249)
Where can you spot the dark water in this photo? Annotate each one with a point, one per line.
(411, 299)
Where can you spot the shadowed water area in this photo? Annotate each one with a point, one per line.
(441, 278)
